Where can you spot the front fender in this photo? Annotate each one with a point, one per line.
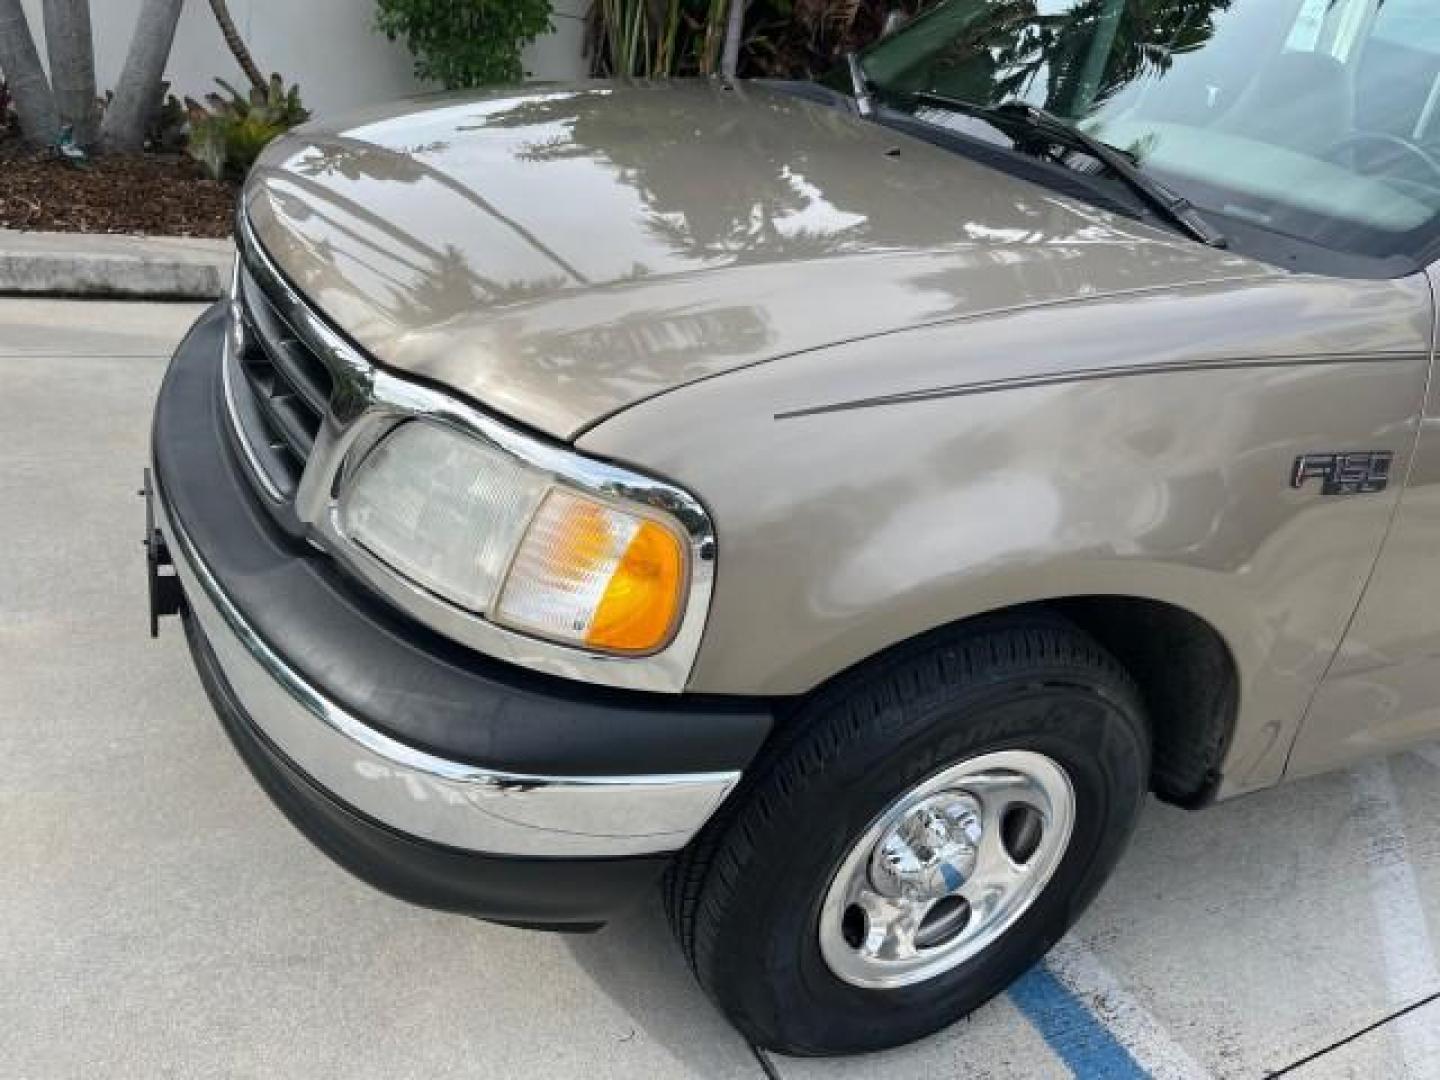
(844, 530)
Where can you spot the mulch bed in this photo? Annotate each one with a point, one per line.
(163, 195)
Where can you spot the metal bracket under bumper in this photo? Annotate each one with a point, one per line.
(164, 591)
(452, 803)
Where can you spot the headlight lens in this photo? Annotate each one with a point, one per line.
(443, 509)
(452, 513)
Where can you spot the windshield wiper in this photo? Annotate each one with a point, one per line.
(1010, 115)
(859, 85)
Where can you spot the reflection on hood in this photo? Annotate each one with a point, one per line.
(562, 253)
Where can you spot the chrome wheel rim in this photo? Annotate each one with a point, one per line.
(946, 869)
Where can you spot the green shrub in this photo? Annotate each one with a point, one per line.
(782, 39)
(168, 132)
(462, 43)
(227, 134)
(656, 38)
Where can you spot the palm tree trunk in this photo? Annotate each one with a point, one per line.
(72, 65)
(137, 93)
(734, 31)
(30, 90)
(236, 44)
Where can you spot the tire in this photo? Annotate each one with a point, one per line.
(746, 898)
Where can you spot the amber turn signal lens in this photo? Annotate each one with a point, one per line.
(640, 602)
(593, 574)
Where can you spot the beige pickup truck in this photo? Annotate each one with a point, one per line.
(841, 503)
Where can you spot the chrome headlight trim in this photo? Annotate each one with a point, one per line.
(368, 402)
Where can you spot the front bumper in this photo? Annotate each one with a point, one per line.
(435, 773)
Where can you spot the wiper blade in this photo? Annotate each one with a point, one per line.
(1010, 115)
(859, 84)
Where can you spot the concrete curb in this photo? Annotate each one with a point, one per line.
(115, 267)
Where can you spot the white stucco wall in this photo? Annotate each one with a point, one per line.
(328, 46)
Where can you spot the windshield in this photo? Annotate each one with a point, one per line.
(1317, 119)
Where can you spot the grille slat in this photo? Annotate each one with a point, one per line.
(301, 368)
(280, 389)
(289, 417)
(270, 455)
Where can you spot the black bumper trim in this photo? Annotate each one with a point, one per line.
(565, 894)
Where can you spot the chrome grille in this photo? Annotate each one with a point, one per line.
(279, 390)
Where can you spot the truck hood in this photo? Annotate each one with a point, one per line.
(560, 254)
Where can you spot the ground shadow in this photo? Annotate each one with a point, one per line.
(636, 962)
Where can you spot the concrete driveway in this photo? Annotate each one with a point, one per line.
(159, 917)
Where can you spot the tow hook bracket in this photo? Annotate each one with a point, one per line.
(166, 597)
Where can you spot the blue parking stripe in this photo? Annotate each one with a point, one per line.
(1078, 1038)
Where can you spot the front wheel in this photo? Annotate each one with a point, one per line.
(921, 834)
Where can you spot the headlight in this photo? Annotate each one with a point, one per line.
(507, 541)
(443, 509)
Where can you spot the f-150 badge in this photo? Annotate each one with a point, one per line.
(1353, 473)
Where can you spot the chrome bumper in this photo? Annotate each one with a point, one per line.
(459, 805)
